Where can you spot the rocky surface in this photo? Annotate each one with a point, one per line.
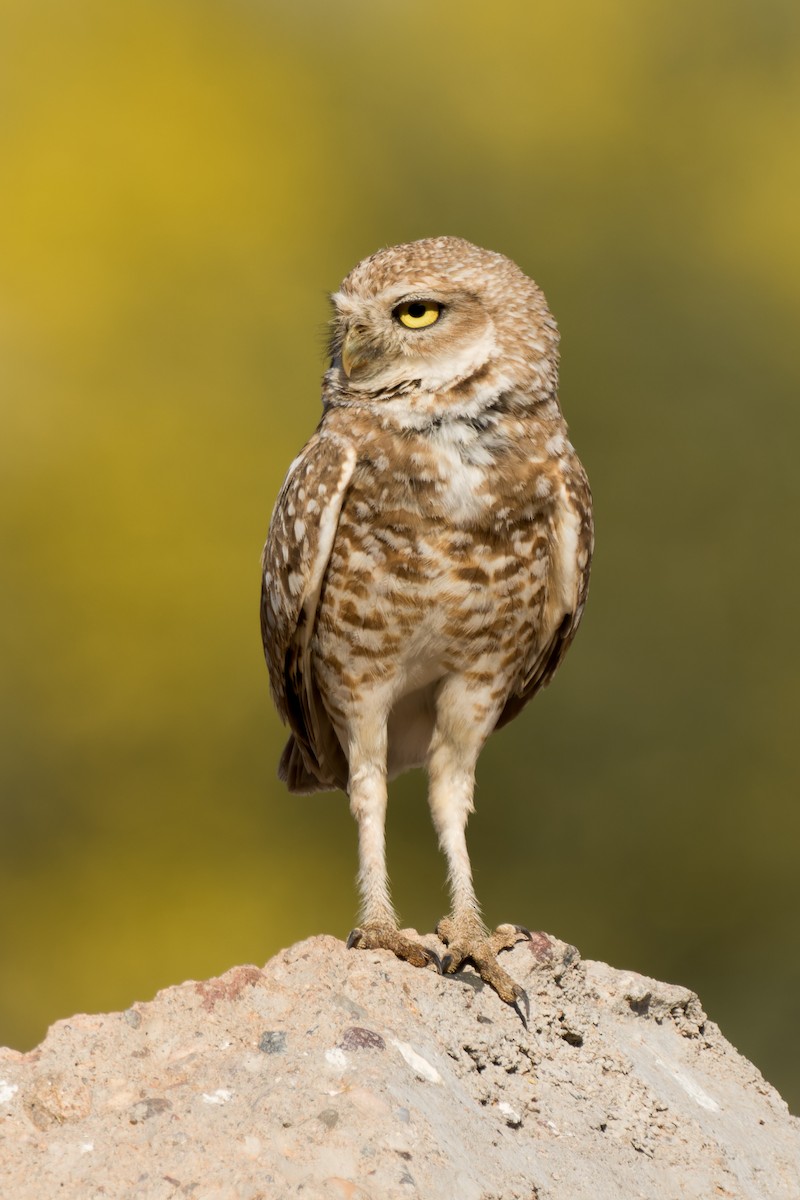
(349, 1075)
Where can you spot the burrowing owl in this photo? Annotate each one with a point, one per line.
(428, 558)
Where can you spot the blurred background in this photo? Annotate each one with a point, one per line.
(182, 183)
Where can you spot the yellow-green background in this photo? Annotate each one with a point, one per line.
(181, 181)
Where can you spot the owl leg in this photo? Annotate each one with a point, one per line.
(451, 768)
(377, 929)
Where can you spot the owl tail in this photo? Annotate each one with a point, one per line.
(293, 771)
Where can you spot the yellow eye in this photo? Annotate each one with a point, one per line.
(416, 314)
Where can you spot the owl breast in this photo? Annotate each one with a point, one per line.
(447, 561)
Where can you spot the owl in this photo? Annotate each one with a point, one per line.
(427, 561)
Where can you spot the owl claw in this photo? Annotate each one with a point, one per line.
(519, 997)
(433, 957)
(468, 941)
(522, 1006)
(385, 936)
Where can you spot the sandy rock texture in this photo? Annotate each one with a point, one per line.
(348, 1075)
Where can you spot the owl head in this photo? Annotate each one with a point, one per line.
(429, 315)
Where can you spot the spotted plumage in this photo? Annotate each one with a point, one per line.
(428, 558)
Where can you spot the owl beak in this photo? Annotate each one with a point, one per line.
(355, 352)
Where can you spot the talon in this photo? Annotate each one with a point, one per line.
(433, 957)
(522, 1006)
(384, 935)
(469, 942)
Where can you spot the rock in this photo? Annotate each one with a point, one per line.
(347, 1075)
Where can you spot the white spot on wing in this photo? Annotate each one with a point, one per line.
(566, 552)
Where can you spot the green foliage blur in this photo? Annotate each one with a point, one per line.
(182, 182)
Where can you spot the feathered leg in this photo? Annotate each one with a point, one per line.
(377, 928)
(458, 738)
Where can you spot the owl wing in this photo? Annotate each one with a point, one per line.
(296, 554)
(572, 541)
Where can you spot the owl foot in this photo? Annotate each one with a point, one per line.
(381, 935)
(468, 941)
